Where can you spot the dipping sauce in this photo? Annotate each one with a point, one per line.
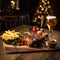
(51, 43)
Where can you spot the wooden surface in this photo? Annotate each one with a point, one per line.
(26, 49)
(44, 55)
(3, 17)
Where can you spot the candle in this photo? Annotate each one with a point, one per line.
(17, 5)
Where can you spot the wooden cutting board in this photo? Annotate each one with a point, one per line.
(26, 49)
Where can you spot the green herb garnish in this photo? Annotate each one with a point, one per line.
(15, 42)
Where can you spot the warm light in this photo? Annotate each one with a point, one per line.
(48, 2)
(42, 9)
(38, 11)
(17, 5)
(40, 5)
(42, 0)
(45, 0)
(12, 4)
(17, 8)
(49, 6)
(35, 18)
(39, 16)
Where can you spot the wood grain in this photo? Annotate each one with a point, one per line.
(26, 49)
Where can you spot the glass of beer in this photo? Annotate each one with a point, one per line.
(51, 21)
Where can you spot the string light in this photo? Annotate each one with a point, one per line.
(39, 16)
(43, 10)
(49, 6)
(38, 11)
(35, 18)
(13, 4)
(40, 5)
(48, 2)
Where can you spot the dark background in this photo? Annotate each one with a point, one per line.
(29, 6)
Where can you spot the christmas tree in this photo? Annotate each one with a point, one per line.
(44, 8)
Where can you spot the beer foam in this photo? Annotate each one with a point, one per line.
(50, 17)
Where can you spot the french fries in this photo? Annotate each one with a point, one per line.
(10, 35)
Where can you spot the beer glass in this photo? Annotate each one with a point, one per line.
(51, 21)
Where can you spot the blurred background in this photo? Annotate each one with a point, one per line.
(18, 12)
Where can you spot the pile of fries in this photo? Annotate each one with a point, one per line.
(10, 35)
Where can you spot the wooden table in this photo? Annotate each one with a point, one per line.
(46, 55)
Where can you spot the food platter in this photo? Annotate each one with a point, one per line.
(16, 42)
